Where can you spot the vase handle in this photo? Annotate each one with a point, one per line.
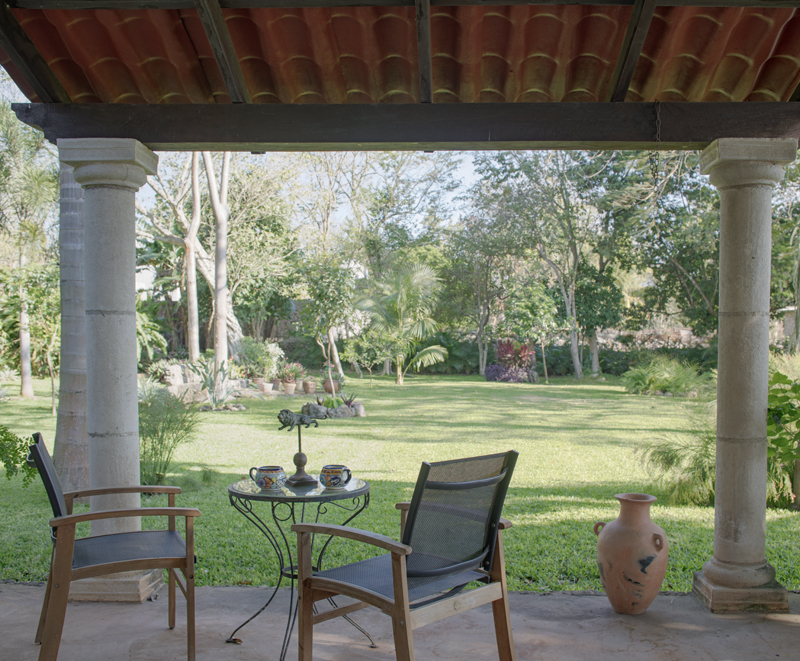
(598, 527)
(658, 540)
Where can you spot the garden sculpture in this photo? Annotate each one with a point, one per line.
(289, 419)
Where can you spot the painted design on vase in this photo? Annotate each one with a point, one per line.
(632, 554)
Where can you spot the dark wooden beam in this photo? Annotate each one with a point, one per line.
(245, 4)
(638, 25)
(28, 60)
(424, 51)
(451, 126)
(213, 22)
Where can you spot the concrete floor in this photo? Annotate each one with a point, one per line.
(548, 627)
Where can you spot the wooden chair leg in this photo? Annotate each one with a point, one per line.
(46, 602)
(190, 633)
(305, 599)
(500, 608)
(401, 614)
(59, 594)
(171, 598)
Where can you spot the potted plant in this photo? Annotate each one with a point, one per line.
(289, 373)
(329, 385)
(309, 385)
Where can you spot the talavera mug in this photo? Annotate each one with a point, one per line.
(335, 476)
(268, 477)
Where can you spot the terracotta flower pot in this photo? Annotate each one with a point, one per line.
(258, 380)
(309, 387)
(288, 387)
(330, 386)
(632, 554)
(264, 386)
(276, 384)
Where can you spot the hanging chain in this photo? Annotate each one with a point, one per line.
(655, 155)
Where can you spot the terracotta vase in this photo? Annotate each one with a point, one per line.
(632, 554)
(309, 387)
(330, 386)
(288, 387)
(276, 384)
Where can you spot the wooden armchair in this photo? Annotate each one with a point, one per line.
(85, 557)
(451, 536)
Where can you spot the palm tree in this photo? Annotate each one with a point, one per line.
(404, 312)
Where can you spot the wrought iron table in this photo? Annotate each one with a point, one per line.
(287, 506)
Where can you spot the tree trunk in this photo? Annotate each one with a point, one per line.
(398, 379)
(544, 364)
(334, 353)
(387, 368)
(71, 446)
(594, 352)
(26, 378)
(193, 318)
(573, 350)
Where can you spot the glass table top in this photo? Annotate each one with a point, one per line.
(251, 491)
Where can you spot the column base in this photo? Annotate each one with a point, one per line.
(125, 587)
(769, 598)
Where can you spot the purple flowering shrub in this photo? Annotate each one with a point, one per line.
(506, 374)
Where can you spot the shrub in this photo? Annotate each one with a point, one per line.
(165, 422)
(506, 374)
(664, 374)
(258, 359)
(462, 354)
(158, 370)
(515, 354)
(13, 454)
(215, 381)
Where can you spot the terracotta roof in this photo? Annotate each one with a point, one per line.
(480, 54)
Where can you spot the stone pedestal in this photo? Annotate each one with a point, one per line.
(111, 171)
(739, 577)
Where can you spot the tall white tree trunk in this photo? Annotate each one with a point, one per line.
(71, 448)
(219, 204)
(334, 353)
(26, 379)
(193, 317)
(387, 368)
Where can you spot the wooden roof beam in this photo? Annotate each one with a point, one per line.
(414, 126)
(216, 30)
(28, 60)
(638, 26)
(424, 51)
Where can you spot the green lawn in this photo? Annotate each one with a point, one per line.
(576, 442)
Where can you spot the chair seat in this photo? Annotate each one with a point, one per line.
(125, 546)
(376, 574)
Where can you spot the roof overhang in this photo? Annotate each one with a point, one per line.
(276, 127)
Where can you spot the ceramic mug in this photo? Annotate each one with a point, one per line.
(335, 476)
(268, 477)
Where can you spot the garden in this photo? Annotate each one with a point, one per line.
(578, 443)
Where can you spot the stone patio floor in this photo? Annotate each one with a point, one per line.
(546, 626)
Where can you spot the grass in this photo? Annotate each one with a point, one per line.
(576, 441)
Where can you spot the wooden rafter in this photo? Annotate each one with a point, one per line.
(418, 127)
(28, 60)
(424, 51)
(216, 29)
(245, 4)
(638, 25)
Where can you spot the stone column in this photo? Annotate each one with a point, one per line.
(110, 172)
(739, 577)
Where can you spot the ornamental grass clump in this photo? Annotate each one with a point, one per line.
(165, 422)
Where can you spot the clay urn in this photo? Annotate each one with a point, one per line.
(632, 554)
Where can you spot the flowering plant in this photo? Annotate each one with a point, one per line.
(291, 372)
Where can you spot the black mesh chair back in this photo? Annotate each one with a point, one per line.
(453, 517)
(47, 470)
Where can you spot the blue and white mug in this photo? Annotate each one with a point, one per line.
(335, 476)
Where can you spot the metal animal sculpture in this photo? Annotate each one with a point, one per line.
(289, 419)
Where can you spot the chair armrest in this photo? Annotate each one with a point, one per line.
(402, 506)
(504, 524)
(139, 488)
(72, 519)
(374, 539)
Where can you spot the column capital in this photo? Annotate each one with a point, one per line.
(120, 162)
(747, 161)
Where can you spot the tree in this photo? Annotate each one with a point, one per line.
(368, 349)
(404, 312)
(28, 189)
(598, 301)
(330, 290)
(533, 315)
(543, 197)
(480, 268)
